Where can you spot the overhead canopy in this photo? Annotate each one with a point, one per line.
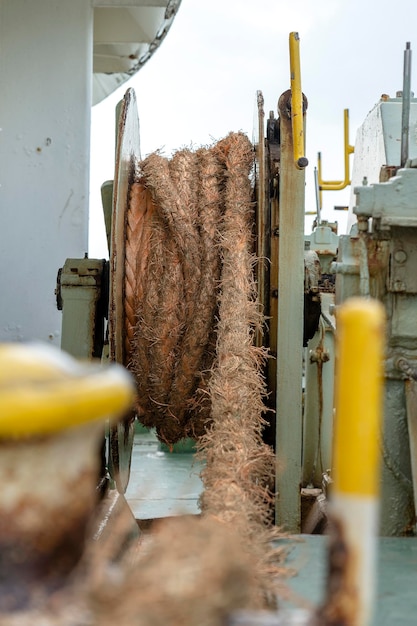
(126, 34)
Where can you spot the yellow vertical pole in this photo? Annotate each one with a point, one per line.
(360, 325)
(297, 117)
(355, 492)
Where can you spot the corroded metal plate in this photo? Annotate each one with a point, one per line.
(127, 157)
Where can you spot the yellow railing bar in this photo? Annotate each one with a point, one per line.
(297, 118)
(337, 185)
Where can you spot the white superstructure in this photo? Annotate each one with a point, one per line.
(57, 58)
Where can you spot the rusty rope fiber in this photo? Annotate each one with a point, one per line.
(160, 315)
(134, 242)
(187, 192)
(195, 348)
(179, 227)
(239, 466)
(210, 207)
(176, 326)
(198, 371)
(168, 357)
(184, 172)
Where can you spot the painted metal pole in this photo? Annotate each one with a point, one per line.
(355, 492)
(297, 117)
(290, 327)
(405, 110)
(337, 185)
(262, 214)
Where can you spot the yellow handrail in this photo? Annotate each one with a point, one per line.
(337, 185)
(297, 118)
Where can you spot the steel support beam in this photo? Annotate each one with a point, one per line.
(290, 329)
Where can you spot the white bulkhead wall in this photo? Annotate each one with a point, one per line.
(378, 143)
(45, 108)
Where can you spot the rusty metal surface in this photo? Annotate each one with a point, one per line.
(273, 156)
(46, 506)
(115, 518)
(263, 226)
(121, 438)
(290, 328)
(83, 297)
(127, 154)
(341, 602)
(411, 406)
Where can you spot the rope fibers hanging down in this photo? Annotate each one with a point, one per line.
(197, 369)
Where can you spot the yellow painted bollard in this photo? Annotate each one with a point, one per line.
(52, 410)
(356, 466)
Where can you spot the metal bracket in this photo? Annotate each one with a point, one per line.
(82, 295)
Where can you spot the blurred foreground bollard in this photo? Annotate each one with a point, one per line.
(52, 410)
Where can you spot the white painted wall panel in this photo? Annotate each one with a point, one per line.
(45, 108)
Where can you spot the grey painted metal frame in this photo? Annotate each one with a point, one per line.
(290, 330)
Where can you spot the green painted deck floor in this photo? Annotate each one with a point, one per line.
(396, 603)
(163, 484)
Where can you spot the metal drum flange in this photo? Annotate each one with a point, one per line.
(127, 158)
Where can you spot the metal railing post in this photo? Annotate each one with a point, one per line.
(290, 328)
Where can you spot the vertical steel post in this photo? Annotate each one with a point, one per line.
(263, 227)
(290, 327)
(405, 114)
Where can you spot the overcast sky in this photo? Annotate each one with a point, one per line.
(202, 82)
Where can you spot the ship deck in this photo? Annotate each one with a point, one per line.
(164, 484)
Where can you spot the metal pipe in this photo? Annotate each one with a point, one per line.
(263, 225)
(297, 118)
(363, 267)
(318, 196)
(411, 405)
(337, 185)
(405, 118)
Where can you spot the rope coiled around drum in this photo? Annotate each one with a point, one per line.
(192, 349)
(178, 270)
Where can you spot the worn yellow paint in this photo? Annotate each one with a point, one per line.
(297, 118)
(44, 391)
(360, 337)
